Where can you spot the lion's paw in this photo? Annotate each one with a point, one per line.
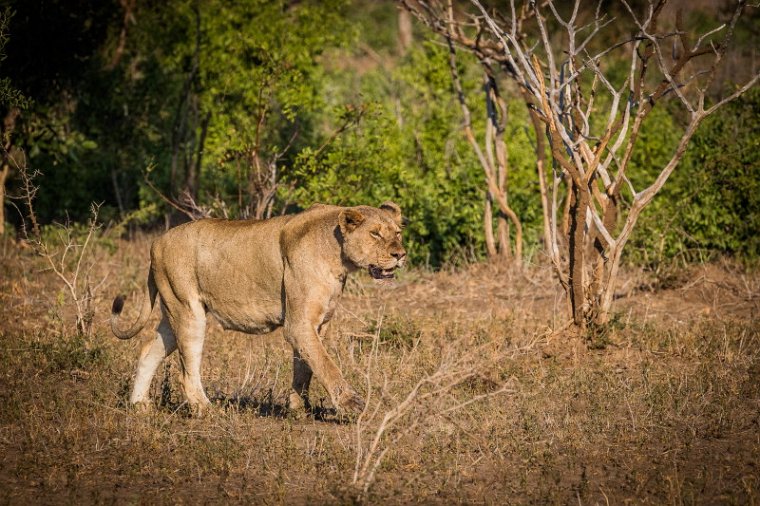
(350, 402)
(142, 407)
(297, 406)
(203, 410)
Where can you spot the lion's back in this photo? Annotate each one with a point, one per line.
(214, 253)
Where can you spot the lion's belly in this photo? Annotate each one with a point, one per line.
(249, 318)
(240, 280)
(249, 302)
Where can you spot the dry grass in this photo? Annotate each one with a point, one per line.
(662, 407)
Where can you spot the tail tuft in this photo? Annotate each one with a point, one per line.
(118, 305)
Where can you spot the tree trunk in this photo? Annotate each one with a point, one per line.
(502, 229)
(502, 172)
(404, 31)
(601, 251)
(3, 177)
(542, 188)
(117, 191)
(540, 151)
(488, 227)
(128, 6)
(194, 170)
(9, 155)
(577, 220)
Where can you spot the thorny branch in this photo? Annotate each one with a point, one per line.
(428, 399)
(74, 274)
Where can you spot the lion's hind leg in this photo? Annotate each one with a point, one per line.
(150, 357)
(190, 329)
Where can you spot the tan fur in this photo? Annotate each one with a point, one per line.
(255, 276)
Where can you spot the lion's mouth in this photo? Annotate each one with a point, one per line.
(380, 273)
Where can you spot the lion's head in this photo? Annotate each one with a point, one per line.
(372, 238)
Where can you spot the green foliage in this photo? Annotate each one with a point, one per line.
(711, 204)
(9, 95)
(319, 90)
(409, 147)
(63, 152)
(722, 185)
(260, 81)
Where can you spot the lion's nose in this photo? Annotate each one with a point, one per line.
(399, 254)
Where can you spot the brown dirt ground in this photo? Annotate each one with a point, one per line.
(663, 406)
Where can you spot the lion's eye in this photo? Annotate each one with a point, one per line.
(376, 234)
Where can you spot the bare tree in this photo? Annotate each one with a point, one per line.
(493, 160)
(442, 20)
(592, 124)
(70, 258)
(128, 6)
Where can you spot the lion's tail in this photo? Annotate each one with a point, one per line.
(148, 302)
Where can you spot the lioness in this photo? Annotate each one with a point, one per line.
(255, 276)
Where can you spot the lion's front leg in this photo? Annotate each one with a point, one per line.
(302, 373)
(312, 356)
(303, 318)
(308, 297)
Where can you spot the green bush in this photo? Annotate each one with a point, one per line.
(711, 204)
(354, 122)
(410, 147)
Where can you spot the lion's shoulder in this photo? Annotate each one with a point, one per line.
(312, 229)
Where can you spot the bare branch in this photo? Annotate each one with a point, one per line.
(739, 92)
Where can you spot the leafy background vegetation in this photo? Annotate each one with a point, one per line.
(187, 94)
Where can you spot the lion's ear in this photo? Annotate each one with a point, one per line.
(349, 219)
(394, 210)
